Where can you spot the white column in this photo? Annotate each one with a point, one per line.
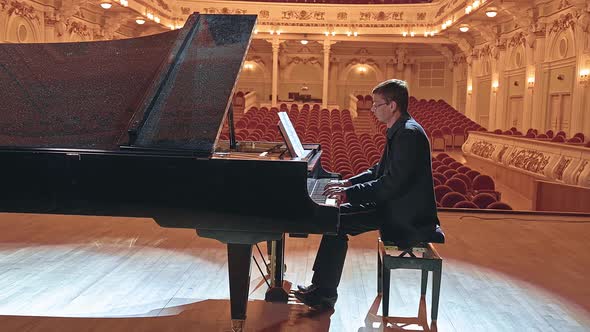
(408, 76)
(457, 71)
(469, 99)
(529, 91)
(540, 91)
(325, 82)
(275, 70)
(580, 89)
(497, 95)
(333, 79)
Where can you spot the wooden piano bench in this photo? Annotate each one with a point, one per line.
(422, 257)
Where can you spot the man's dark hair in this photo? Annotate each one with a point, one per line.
(394, 90)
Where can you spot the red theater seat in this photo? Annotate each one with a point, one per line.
(465, 179)
(483, 200)
(483, 183)
(457, 185)
(449, 173)
(463, 169)
(499, 206)
(472, 174)
(440, 191)
(465, 205)
(450, 199)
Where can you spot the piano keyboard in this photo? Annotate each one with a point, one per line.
(315, 188)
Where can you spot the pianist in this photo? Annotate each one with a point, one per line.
(395, 196)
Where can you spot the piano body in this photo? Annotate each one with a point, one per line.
(131, 128)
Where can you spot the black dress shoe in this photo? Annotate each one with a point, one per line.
(317, 298)
(306, 289)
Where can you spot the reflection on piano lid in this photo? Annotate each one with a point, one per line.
(165, 91)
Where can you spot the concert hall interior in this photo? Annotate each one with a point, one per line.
(127, 124)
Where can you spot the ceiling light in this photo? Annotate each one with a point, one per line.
(106, 4)
(468, 9)
(140, 20)
(491, 12)
(464, 28)
(355, 33)
(405, 33)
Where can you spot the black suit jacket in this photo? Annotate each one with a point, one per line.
(401, 184)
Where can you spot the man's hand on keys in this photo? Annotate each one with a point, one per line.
(337, 190)
(337, 183)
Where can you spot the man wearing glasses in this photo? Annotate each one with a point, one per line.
(395, 196)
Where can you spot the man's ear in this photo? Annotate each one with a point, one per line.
(393, 105)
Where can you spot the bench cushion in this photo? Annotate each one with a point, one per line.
(436, 236)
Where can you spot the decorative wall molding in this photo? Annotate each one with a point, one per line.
(517, 39)
(381, 16)
(224, 10)
(20, 9)
(78, 28)
(529, 160)
(564, 22)
(557, 162)
(303, 15)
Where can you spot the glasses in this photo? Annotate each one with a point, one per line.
(377, 105)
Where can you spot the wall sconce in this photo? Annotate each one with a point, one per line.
(469, 89)
(405, 33)
(531, 82)
(362, 69)
(584, 76)
(491, 12)
(495, 86)
(248, 66)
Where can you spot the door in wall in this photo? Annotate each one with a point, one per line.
(514, 112)
(560, 110)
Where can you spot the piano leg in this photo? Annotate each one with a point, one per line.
(279, 289)
(239, 257)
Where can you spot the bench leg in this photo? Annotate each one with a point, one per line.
(379, 274)
(386, 282)
(424, 282)
(436, 276)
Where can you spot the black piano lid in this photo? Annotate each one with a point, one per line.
(171, 90)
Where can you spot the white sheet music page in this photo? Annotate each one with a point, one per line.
(290, 135)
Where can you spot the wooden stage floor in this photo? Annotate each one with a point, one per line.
(500, 273)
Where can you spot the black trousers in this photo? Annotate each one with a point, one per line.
(329, 261)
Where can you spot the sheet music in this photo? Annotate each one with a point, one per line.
(290, 135)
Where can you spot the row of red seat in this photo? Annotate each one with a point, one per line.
(549, 135)
(456, 185)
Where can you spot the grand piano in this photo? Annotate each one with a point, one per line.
(132, 128)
